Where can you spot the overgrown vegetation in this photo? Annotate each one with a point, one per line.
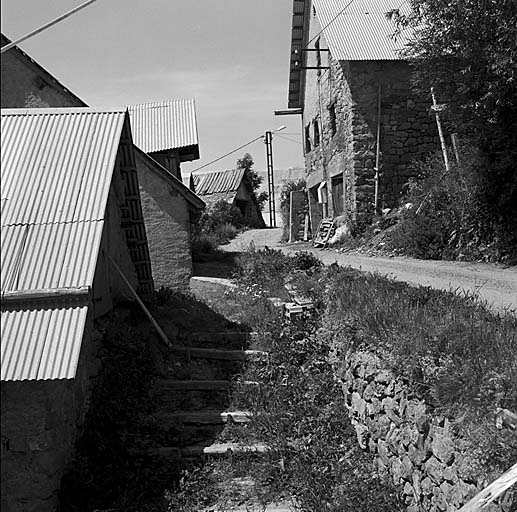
(474, 72)
(252, 178)
(446, 216)
(114, 468)
(450, 349)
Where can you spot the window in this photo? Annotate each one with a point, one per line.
(318, 56)
(332, 117)
(316, 133)
(308, 138)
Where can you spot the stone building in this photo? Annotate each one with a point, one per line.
(170, 210)
(352, 87)
(165, 135)
(229, 186)
(71, 215)
(27, 84)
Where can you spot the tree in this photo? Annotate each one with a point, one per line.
(467, 51)
(252, 178)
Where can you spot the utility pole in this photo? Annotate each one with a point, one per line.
(268, 140)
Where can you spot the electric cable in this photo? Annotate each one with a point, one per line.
(290, 140)
(47, 25)
(229, 153)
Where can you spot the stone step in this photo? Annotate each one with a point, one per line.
(223, 355)
(206, 417)
(200, 385)
(214, 450)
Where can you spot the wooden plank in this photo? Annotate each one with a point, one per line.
(72, 293)
(493, 491)
(206, 417)
(223, 355)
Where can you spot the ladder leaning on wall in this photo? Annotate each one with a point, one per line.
(326, 230)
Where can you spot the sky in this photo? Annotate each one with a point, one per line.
(231, 56)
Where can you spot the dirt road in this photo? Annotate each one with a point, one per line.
(495, 284)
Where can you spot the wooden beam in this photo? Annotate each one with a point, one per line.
(73, 293)
(493, 491)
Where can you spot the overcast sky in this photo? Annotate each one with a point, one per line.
(231, 56)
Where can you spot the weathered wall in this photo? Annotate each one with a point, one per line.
(40, 422)
(167, 225)
(417, 449)
(25, 84)
(348, 92)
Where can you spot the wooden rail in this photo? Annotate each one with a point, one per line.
(493, 491)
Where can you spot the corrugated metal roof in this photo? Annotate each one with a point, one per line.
(218, 182)
(42, 344)
(40, 256)
(56, 172)
(361, 31)
(164, 125)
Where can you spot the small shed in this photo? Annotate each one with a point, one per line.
(70, 209)
(232, 187)
(170, 209)
(167, 132)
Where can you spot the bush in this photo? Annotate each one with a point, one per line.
(454, 221)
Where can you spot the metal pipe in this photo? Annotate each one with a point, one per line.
(47, 25)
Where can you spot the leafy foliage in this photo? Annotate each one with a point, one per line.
(453, 221)
(252, 178)
(466, 51)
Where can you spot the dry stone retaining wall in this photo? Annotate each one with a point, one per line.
(417, 449)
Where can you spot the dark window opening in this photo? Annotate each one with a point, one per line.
(308, 139)
(333, 124)
(316, 133)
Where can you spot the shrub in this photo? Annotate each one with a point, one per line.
(454, 220)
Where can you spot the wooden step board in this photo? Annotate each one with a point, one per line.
(222, 355)
(200, 385)
(326, 230)
(206, 417)
(214, 450)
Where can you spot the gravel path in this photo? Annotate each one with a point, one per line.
(495, 284)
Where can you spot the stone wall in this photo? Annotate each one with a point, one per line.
(25, 84)
(40, 423)
(167, 225)
(418, 450)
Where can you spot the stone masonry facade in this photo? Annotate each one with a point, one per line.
(340, 120)
(415, 448)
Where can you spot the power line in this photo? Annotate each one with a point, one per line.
(47, 25)
(331, 21)
(229, 153)
(287, 138)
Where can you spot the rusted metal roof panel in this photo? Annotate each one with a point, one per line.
(164, 125)
(361, 31)
(218, 182)
(40, 256)
(57, 164)
(41, 344)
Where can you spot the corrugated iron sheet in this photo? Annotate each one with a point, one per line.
(42, 344)
(164, 125)
(218, 182)
(56, 173)
(57, 164)
(39, 256)
(361, 31)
